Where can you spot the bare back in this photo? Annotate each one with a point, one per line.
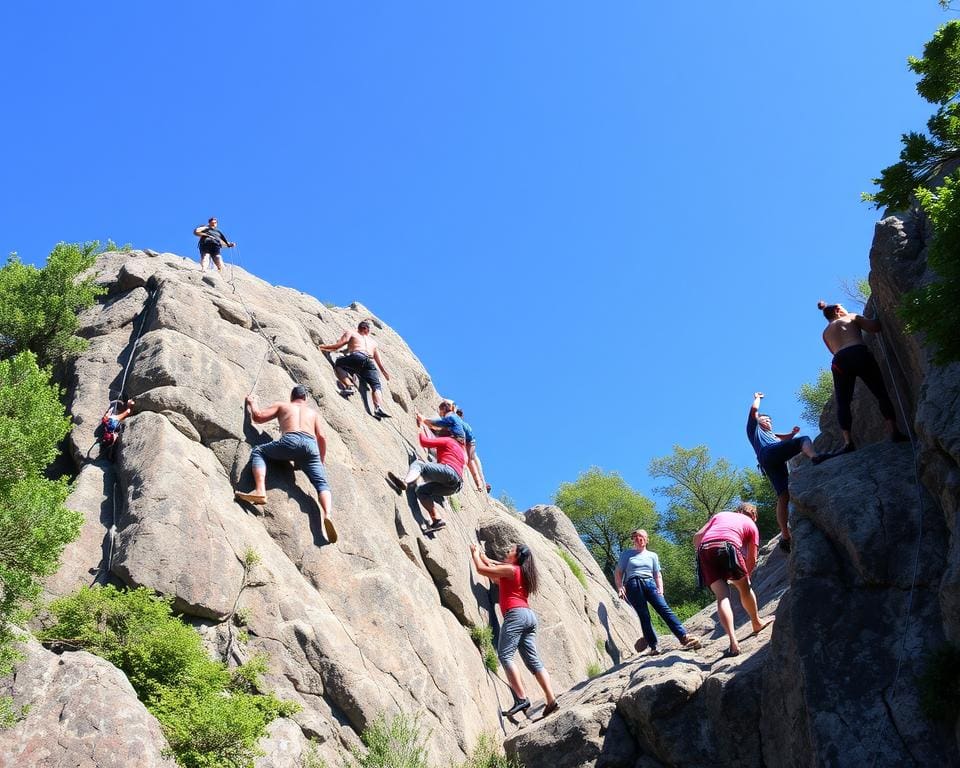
(360, 343)
(842, 332)
(297, 417)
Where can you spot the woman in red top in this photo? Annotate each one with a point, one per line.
(517, 578)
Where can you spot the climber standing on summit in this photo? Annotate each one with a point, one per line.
(302, 441)
(211, 241)
(362, 359)
(773, 452)
(852, 359)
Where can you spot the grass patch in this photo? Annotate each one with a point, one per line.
(594, 669)
(488, 754)
(212, 716)
(395, 744)
(940, 684)
(575, 567)
(455, 504)
(483, 638)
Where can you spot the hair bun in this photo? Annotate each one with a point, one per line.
(821, 304)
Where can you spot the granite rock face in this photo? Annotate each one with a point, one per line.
(377, 623)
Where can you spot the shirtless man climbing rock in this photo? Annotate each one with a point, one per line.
(851, 359)
(362, 359)
(302, 442)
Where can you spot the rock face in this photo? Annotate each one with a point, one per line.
(377, 623)
(872, 588)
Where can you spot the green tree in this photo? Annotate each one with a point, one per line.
(757, 489)
(39, 307)
(699, 488)
(604, 510)
(35, 525)
(814, 397)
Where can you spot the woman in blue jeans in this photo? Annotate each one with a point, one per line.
(639, 580)
(517, 578)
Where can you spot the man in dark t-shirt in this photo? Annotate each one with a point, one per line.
(211, 241)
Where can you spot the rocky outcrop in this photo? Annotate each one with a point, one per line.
(872, 588)
(377, 623)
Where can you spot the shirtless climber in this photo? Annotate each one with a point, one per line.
(362, 355)
(851, 359)
(211, 241)
(302, 441)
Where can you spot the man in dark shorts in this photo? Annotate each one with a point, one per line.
(773, 452)
(852, 359)
(727, 552)
(362, 359)
(211, 241)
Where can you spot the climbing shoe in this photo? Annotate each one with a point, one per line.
(346, 392)
(521, 706)
(436, 525)
(381, 414)
(396, 483)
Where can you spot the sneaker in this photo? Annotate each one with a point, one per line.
(396, 483)
(381, 414)
(437, 524)
(346, 391)
(521, 706)
(691, 643)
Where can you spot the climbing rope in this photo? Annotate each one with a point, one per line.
(133, 349)
(916, 557)
(256, 378)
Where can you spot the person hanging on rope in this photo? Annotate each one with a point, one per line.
(112, 422)
(517, 580)
(773, 452)
(473, 461)
(211, 241)
(852, 359)
(443, 477)
(301, 441)
(362, 359)
(639, 581)
(726, 550)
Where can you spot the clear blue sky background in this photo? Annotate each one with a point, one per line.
(601, 226)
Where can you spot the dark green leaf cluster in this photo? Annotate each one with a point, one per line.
(483, 638)
(39, 307)
(925, 156)
(212, 716)
(398, 743)
(934, 308)
(35, 525)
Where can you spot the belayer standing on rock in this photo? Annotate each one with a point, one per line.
(517, 579)
(852, 359)
(302, 441)
(211, 241)
(727, 552)
(362, 359)
(640, 581)
(773, 452)
(443, 477)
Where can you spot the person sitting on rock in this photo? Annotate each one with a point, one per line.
(112, 422)
(852, 359)
(443, 477)
(727, 552)
(639, 580)
(517, 580)
(362, 359)
(773, 452)
(211, 241)
(473, 461)
(301, 441)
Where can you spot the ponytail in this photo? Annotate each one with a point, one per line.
(528, 568)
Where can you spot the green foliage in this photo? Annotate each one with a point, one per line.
(814, 397)
(699, 488)
(604, 510)
(483, 637)
(934, 309)
(487, 754)
(507, 500)
(35, 525)
(455, 504)
(594, 669)
(394, 744)
(310, 759)
(38, 307)
(757, 489)
(940, 684)
(574, 566)
(211, 716)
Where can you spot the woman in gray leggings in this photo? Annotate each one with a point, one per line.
(517, 578)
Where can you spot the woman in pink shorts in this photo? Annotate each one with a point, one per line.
(727, 552)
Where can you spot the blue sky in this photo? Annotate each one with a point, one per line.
(600, 226)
